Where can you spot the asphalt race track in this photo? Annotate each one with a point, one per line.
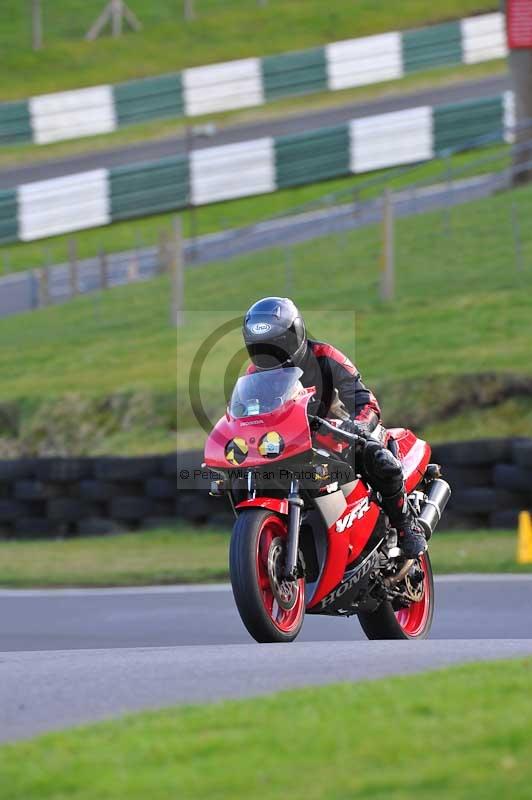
(241, 132)
(71, 656)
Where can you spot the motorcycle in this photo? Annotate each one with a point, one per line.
(310, 536)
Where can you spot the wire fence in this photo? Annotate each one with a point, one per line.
(464, 217)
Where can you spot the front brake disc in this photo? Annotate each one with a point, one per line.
(284, 591)
(415, 589)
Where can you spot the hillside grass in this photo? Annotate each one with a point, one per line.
(462, 307)
(464, 733)
(185, 554)
(223, 31)
(247, 211)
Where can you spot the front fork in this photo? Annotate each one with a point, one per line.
(295, 504)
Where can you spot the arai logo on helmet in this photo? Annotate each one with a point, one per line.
(259, 328)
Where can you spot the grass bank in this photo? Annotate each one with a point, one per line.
(187, 555)
(223, 31)
(465, 732)
(461, 311)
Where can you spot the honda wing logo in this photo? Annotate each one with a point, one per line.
(357, 512)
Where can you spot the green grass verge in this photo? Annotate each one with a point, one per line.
(187, 555)
(173, 555)
(223, 31)
(464, 733)
(151, 131)
(475, 551)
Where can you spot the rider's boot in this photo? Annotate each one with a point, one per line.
(411, 539)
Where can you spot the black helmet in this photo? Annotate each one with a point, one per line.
(274, 333)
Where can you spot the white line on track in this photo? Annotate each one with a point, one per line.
(198, 588)
(118, 590)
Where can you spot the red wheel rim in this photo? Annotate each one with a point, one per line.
(286, 620)
(413, 620)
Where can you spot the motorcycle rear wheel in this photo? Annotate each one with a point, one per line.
(413, 622)
(271, 610)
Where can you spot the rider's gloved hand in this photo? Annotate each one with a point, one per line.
(358, 428)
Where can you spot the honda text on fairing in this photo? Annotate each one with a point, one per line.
(310, 536)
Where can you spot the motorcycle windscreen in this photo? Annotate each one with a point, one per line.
(264, 392)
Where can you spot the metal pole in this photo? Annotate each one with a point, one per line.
(520, 64)
(521, 70)
(387, 289)
(36, 24)
(177, 276)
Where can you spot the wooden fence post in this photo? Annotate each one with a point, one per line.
(73, 266)
(44, 286)
(104, 270)
(189, 10)
(34, 283)
(162, 252)
(387, 288)
(36, 24)
(177, 276)
(133, 270)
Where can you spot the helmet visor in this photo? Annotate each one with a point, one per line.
(274, 352)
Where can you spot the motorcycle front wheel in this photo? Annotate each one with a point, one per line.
(271, 608)
(413, 622)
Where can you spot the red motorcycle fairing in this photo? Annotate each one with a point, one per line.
(290, 422)
(280, 506)
(328, 441)
(352, 522)
(351, 517)
(414, 455)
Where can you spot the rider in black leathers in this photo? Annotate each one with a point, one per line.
(275, 335)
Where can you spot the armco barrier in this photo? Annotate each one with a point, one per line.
(252, 81)
(97, 197)
(46, 497)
